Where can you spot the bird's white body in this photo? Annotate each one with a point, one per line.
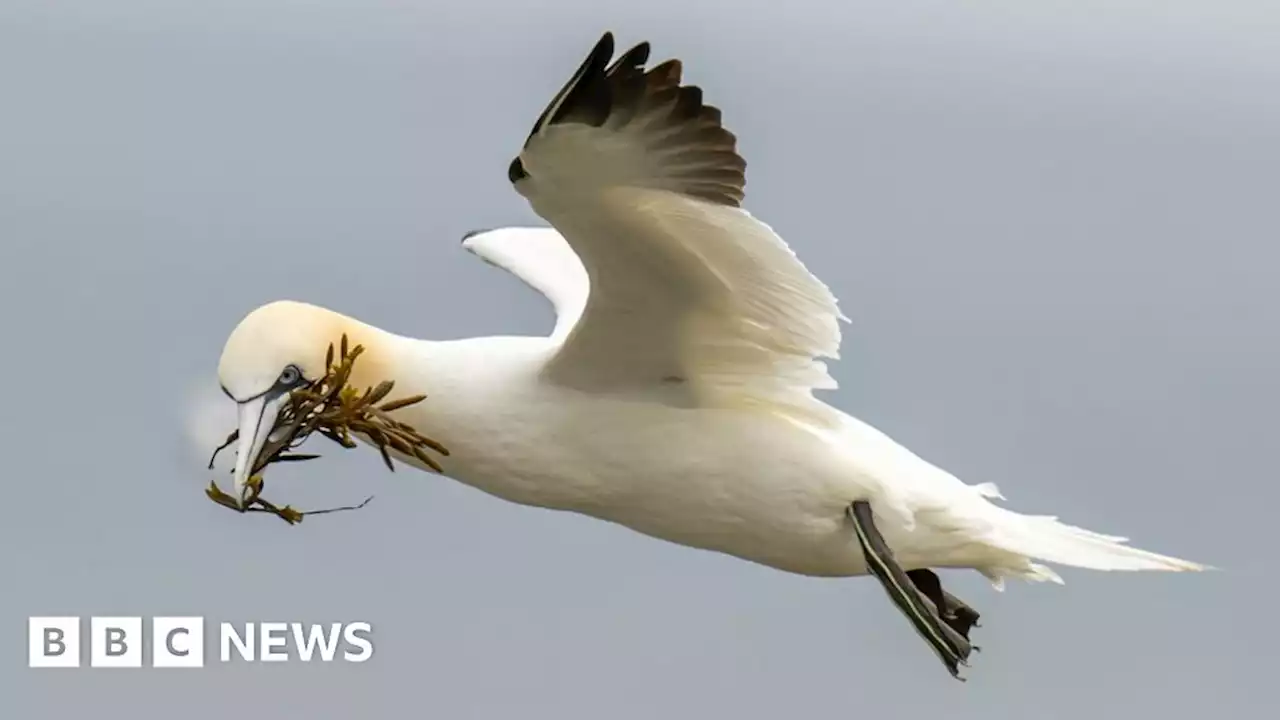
(675, 394)
(753, 483)
(747, 483)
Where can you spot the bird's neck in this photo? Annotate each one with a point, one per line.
(384, 356)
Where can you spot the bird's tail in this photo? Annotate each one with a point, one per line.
(965, 528)
(1040, 537)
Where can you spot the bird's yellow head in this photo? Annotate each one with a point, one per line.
(277, 348)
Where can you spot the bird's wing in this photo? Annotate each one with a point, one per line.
(691, 298)
(544, 261)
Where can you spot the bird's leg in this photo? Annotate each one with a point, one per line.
(950, 645)
(952, 610)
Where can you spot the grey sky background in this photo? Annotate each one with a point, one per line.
(1053, 224)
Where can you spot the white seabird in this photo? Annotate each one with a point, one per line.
(674, 396)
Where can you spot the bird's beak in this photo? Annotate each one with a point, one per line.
(257, 418)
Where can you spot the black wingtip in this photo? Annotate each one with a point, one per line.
(677, 120)
(516, 171)
(605, 45)
(636, 57)
(599, 57)
(473, 233)
(592, 67)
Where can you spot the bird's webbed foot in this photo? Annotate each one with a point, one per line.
(939, 617)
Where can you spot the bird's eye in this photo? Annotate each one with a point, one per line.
(290, 376)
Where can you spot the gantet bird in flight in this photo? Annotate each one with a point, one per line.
(674, 395)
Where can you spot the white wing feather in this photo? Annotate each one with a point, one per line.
(544, 261)
(688, 290)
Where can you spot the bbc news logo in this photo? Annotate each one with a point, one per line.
(179, 642)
